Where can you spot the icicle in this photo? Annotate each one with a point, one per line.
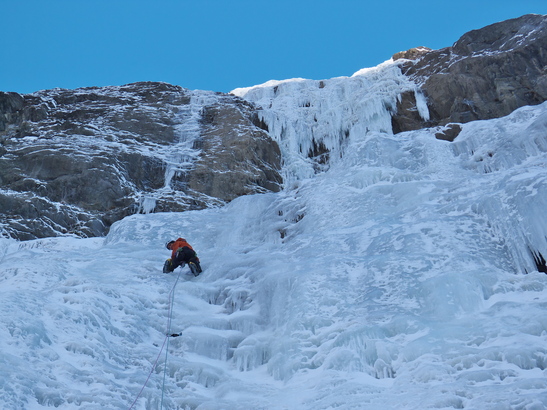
(301, 114)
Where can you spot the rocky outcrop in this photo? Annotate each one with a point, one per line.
(240, 159)
(487, 73)
(75, 161)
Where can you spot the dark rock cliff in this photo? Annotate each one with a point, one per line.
(487, 73)
(75, 161)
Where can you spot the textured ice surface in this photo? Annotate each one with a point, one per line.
(401, 277)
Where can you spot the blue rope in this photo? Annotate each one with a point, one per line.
(167, 334)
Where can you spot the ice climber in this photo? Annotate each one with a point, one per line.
(181, 253)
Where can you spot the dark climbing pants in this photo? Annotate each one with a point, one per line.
(184, 255)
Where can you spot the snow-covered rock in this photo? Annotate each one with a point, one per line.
(75, 161)
(487, 73)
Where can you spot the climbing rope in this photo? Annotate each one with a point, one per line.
(169, 316)
(171, 298)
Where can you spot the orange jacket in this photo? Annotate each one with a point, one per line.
(179, 243)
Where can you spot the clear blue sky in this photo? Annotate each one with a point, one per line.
(223, 44)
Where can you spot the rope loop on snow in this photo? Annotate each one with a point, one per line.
(165, 341)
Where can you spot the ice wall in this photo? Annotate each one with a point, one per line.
(391, 280)
(508, 154)
(307, 115)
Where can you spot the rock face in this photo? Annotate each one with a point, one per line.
(240, 159)
(487, 73)
(75, 161)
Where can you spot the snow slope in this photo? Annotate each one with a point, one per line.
(401, 277)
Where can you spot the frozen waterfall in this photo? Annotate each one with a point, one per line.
(401, 276)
